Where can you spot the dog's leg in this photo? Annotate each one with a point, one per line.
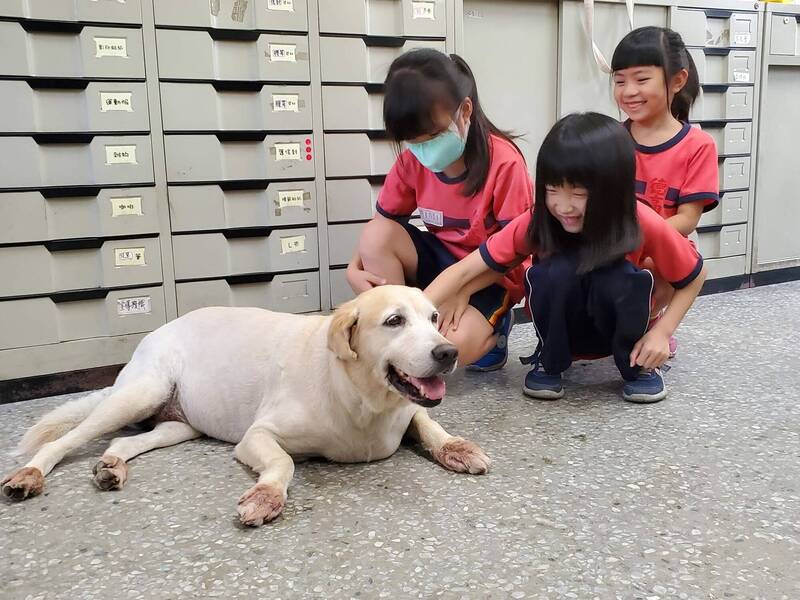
(265, 500)
(131, 403)
(455, 453)
(112, 470)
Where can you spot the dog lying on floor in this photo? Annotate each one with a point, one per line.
(346, 387)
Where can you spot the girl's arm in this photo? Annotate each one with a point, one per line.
(653, 349)
(687, 217)
(471, 270)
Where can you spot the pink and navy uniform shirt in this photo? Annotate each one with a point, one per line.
(462, 224)
(675, 258)
(682, 169)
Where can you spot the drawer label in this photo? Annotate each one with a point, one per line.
(283, 52)
(126, 206)
(287, 198)
(423, 10)
(293, 243)
(139, 305)
(285, 103)
(121, 155)
(285, 5)
(110, 47)
(113, 101)
(741, 76)
(742, 38)
(287, 151)
(129, 257)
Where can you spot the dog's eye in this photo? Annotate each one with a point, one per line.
(435, 318)
(394, 321)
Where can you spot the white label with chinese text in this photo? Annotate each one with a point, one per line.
(285, 5)
(288, 198)
(285, 103)
(140, 305)
(293, 243)
(110, 47)
(283, 52)
(110, 101)
(120, 155)
(129, 257)
(423, 10)
(126, 206)
(287, 151)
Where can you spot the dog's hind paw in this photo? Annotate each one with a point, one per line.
(110, 473)
(260, 504)
(463, 456)
(25, 483)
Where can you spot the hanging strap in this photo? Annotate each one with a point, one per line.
(588, 23)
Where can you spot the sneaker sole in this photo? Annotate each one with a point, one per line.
(543, 394)
(645, 398)
(495, 367)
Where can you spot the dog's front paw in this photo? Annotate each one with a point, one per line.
(463, 456)
(25, 483)
(110, 473)
(260, 504)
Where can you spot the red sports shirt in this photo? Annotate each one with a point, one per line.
(675, 257)
(682, 169)
(460, 223)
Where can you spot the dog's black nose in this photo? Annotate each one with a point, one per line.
(445, 353)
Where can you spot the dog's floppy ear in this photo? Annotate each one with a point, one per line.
(341, 331)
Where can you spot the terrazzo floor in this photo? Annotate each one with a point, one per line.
(589, 497)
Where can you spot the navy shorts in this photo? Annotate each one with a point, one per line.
(433, 257)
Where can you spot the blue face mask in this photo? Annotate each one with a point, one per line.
(443, 150)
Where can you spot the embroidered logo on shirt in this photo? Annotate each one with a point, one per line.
(432, 217)
(656, 194)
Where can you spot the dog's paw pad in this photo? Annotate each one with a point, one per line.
(260, 504)
(463, 456)
(110, 473)
(25, 483)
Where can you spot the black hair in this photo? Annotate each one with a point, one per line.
(420, 80)
(596, 152)
(660, 47)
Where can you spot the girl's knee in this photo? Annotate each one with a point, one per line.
(378, 236)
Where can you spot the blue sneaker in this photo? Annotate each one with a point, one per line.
(497, 357)
(646, 388)
(542, 386)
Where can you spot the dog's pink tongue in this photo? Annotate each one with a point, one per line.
(430, 387)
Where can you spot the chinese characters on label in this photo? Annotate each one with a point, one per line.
(140, 305)
(423, 10)
(285, 5)
(288, 198)
(287, 151)
(129, 257)
(285, 103)
(120, 155)
(111, 101)
(129, 205)
(111, 47)
(283, 53)
(293, 243)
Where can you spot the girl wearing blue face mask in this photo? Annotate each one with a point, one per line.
(467, 179)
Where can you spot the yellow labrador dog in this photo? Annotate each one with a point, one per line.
(346, 387)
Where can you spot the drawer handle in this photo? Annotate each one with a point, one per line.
(78, 295)
(233, 35)
(70, 192)
(246, 232)
(76, 244)
(53, 83)
(709, 229)
(250, 278)
(245, 184)
(377, 134)
(376, 179)
(51, 27)
(716, 51)
(712, 88)
(718, 13)
(715, 124)
(383, 41)
(63, 138)
(374, 88)
(241, 136)
(237, 86)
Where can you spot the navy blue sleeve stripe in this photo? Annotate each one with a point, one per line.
(697, 196)
(691, 277)
(490, 262)
(388, 215)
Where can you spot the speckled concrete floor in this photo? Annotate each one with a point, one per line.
(590, 497)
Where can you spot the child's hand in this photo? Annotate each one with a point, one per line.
(451, 311)
(361, 280)
(652, 350)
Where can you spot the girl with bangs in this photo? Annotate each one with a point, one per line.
(587, 290)
(467, 179)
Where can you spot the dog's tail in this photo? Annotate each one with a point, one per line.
(59, 421)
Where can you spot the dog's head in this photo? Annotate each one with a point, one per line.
(390, 332)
